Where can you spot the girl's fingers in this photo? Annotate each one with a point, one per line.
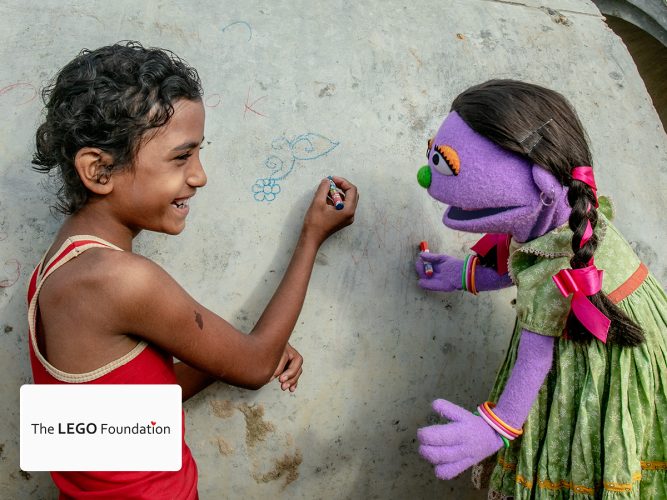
(342, 182)
(322, 191)
(281, 365)
(350, 190)
(292, 382)
(288, 374)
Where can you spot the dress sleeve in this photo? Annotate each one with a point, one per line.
(540, 306)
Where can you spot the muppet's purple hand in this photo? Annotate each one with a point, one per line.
(468, 439)
(446, 272)
(455, 446)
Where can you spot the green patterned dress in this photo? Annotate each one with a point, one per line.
(598, 428)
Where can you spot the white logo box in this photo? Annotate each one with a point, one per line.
(90, 427)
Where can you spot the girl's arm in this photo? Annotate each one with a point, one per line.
(153, 306)
(447, 274)
(467, 438)
(191, 380)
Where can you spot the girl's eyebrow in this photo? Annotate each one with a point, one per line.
(188, 145)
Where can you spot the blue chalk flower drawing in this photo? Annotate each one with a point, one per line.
(305, 147)
(266, 189)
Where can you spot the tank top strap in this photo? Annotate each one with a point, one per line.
(71, 248)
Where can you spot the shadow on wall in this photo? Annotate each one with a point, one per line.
(650, 56)
(642, 25)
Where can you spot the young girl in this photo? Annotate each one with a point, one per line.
(124, 126)
(578, 408)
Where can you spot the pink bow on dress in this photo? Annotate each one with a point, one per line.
(581, 283)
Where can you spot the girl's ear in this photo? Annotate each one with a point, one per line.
(94, 168)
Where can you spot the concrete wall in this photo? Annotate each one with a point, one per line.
(373, 80)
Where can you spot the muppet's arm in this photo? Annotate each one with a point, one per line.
(533, 362)
(467, 439)
(447, 274)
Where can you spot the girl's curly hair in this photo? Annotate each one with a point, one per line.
(107, 98)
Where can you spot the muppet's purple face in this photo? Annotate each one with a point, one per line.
(488, 189)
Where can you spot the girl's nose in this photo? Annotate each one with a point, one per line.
(197, 177)
(424, 176)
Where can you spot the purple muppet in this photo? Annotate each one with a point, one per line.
(579, 406)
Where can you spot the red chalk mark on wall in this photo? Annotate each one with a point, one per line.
(22, 92)
(249, 107)
(15, 271)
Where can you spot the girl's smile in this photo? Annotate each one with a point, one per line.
(182, 205)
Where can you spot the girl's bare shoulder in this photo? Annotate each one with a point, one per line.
(103, 274)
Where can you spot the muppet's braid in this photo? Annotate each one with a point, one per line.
(582, 200)
(622, 330)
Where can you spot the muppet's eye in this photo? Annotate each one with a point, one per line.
(428, 148)
(446, 161)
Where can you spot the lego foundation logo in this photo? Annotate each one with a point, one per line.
(93, 428)
(101, 427)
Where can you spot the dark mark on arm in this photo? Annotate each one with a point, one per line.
(199, 320)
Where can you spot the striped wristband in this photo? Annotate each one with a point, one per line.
(486, 412)
(468, 274)
(473, 286)
(464, 273)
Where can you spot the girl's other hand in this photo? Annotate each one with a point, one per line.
(322, 219)
(289, 369)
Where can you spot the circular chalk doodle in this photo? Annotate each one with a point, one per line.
(21, 93)
(213, 101)
(236, 23)
(15, 271)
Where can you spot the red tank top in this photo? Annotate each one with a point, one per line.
(144, 364)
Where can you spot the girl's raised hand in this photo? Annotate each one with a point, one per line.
(322, 219)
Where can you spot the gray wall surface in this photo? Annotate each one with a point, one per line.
(367, 83)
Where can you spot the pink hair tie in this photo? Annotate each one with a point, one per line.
(582, 283)
(585, 175)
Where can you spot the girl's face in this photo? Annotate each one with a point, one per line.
(156, 192)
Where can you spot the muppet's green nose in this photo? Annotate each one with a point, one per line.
(424, 176)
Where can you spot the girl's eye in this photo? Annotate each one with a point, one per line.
(446, 160)
(183, 157)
